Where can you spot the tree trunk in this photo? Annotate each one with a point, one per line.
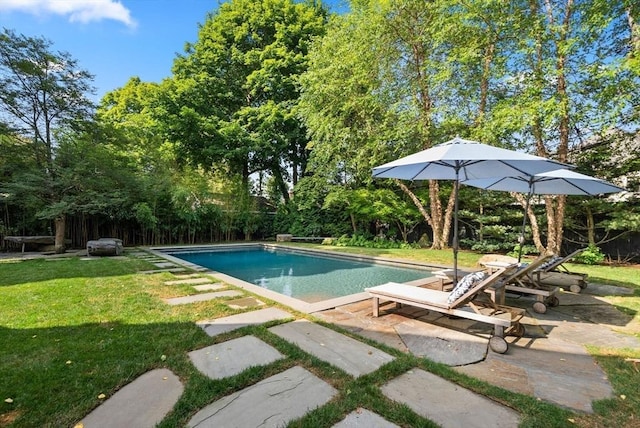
(489, 52)
(436, 215)
(448, 220)
(591, 227)
(556, 205)
(416, 202)
(533, 222)
(555, 215)
(60, 226)
(282, 186)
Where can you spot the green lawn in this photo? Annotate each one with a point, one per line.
(74, 329)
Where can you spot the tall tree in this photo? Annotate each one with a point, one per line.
(42, 91)
(561, 84)
(345, 105)
(391, 78)
(236, 88)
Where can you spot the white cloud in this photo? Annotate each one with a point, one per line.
(83, 11)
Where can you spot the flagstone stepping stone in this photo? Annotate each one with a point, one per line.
(234, 322)
(352, 356)
(187, 275)
(209, 287)
(442, 345)
(446, 403)
(185, 300)
(270, 403)
(164, 264)
(175, 269)
(233, 356)
(142, 403)
(189, 281)
(244, 303)
(363, 418)
(555, 370)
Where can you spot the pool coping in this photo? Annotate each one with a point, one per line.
(292, 302)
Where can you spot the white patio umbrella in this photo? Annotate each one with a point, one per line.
(460, 159)
(556, 182)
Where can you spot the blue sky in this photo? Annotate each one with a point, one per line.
(115, 39)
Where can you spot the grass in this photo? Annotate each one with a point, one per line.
(73, 329)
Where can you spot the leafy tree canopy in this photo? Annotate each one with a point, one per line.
(235, 89)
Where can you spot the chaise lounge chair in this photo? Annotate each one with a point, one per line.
(524, 280)
(467, 300)
(554, 273)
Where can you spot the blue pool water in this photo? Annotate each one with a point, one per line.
(308, 278)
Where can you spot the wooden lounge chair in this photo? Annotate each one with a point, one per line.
(472, 304)
(555, 273)
(523, 280)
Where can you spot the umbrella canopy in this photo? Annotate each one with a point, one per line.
(460, 159)
(556, 182)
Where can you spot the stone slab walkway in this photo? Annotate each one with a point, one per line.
(203, 297)
(451, 341)
(447, 403)
(363, 418)
(352, 356)
(270, 403)
(550, 362)
(234, 322)
(233, 357)
(163, 265)
(245, 303)
(172, 270)
(554, 370)
(189, 281)
(443, 345)
(142, 403)
(209, 287)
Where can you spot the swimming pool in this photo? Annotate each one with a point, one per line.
(307, 276)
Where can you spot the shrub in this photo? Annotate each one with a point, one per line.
(365, 241)
(590, 256)
(486, 246)
(526, 249)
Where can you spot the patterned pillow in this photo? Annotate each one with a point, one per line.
(465, 284)
(543, 267)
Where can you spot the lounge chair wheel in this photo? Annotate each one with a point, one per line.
(575, 288)
(553, 301)
(498, 344)
(539, 308)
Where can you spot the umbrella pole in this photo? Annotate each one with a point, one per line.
(455, 229)
(524, 224)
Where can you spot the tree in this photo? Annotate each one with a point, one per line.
(383, 83)
(42, 91)
(565, 84)
(236, 88)
(351, 106)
